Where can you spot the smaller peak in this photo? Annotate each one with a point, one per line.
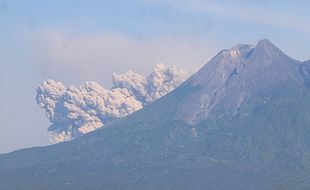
(265, 51)
(266, 48)
(265, 43)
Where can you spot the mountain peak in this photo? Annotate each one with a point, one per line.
(266, 49)
(233, 76)
(266, 45)
(265, 42)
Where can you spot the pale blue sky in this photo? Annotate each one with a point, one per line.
(73, 41)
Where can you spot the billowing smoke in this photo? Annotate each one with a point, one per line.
(74, 111)
(159, 82)
(163, 80)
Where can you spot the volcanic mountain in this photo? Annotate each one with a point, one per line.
(241, 122)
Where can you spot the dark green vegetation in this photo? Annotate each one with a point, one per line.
(261, 142)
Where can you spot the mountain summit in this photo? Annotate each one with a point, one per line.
(240, 122)
(235, 75)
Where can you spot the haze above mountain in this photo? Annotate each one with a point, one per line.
(240, 122)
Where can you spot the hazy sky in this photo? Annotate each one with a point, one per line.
(73, 41)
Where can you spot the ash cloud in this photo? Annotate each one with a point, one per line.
(76, 110)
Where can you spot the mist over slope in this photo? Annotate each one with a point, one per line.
(240, 122)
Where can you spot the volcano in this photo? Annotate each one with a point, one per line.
(241, 122)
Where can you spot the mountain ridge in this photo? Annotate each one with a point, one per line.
(240, 122)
